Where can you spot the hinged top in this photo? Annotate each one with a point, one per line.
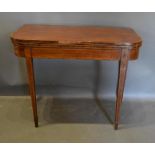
(31, 34)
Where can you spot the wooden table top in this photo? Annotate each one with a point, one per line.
(76, 35)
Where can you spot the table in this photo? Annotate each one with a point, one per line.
(77, 42)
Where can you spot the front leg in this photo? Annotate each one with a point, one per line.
(122, 69)
(30, 71)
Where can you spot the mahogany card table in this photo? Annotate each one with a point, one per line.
(77, 42)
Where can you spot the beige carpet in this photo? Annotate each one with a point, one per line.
(75, 120)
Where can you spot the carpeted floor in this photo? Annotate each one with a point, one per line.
(75, 120)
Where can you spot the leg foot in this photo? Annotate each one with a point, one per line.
(36, 124)
(116, 126)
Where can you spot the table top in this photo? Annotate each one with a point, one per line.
(118, 36)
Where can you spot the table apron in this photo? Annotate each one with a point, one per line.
(75, 54)
(85, 54)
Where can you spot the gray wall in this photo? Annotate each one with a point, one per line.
(76, 77)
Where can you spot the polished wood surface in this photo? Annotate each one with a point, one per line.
(77, 42)
(76, 34)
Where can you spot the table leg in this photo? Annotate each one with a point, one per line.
(30, 70)
(122, 69)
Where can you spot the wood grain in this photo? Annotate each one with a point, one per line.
(76, 34)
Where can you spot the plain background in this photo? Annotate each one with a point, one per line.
(77, 77)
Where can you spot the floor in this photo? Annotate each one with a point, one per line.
(75, 120)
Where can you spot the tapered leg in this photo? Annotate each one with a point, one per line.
(30, 70)
(122, 69)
